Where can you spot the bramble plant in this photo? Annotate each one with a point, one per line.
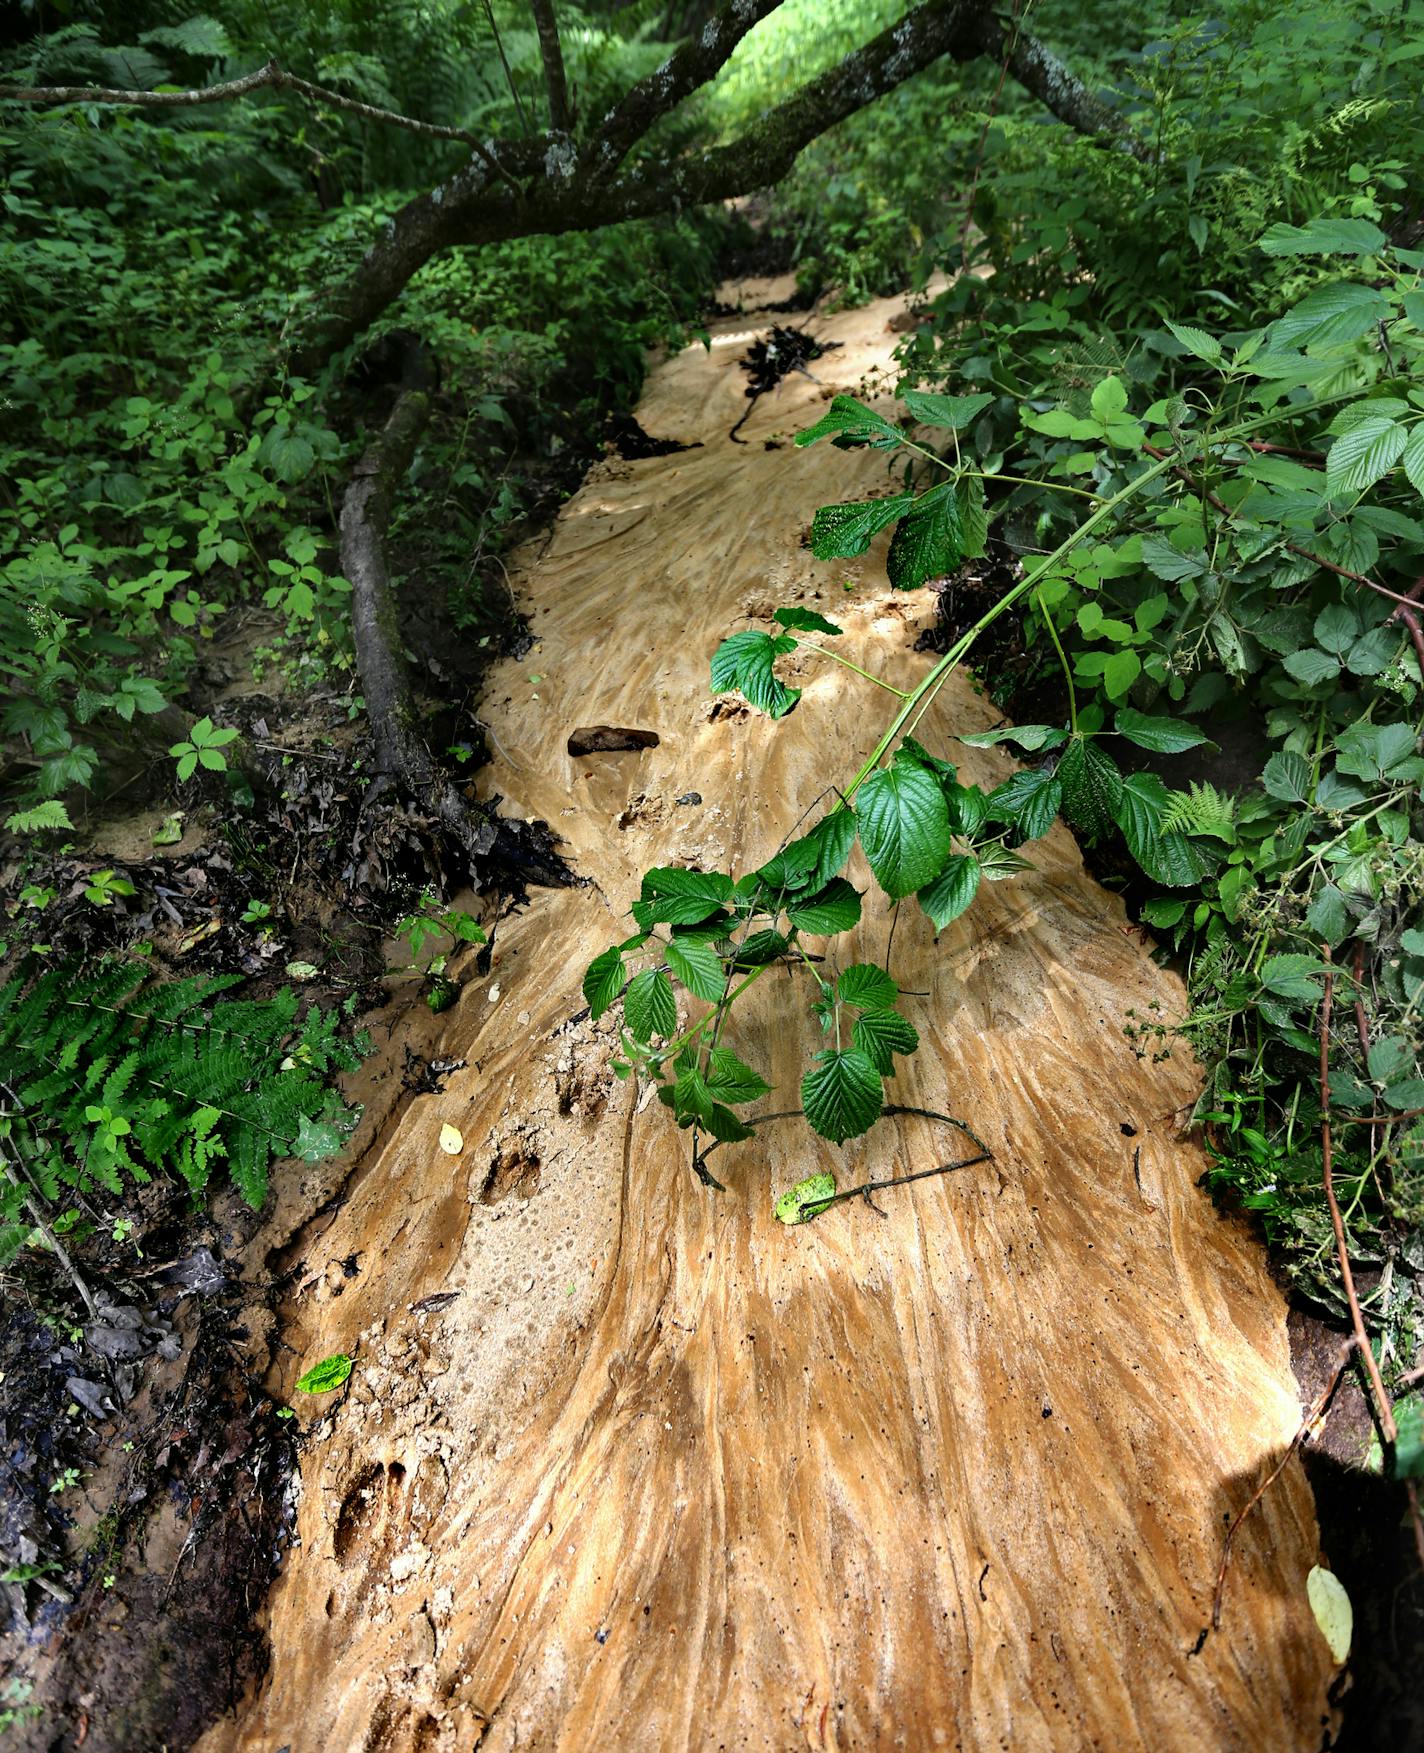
(1240, 527)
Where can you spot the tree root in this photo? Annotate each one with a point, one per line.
(403, 761)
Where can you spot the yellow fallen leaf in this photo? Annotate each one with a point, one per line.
(1333, 1612)
(452, 1140)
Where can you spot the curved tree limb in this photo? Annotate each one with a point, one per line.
(691, 65)
(1059, 89)
(550, 185)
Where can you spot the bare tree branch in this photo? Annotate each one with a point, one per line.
(560, 115)
(689, 66)
(1040, 72)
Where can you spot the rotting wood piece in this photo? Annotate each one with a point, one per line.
(675, 1476)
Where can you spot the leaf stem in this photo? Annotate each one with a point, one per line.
(836, 657)
(1062, 658)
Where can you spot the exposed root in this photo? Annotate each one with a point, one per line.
(403, 760)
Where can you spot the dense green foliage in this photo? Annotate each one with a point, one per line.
(1186, 399)
(110, 1078)
(165, 469)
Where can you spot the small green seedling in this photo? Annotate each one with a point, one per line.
(104, 885)
(203, 749)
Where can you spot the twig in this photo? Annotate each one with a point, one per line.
(1010, 40)
(699, 1158)
(1406, 606)
(32, 1196)
(1316, 1412)
(1342, 1252)
(508, 76)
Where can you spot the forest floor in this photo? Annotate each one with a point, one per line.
(623, 1461)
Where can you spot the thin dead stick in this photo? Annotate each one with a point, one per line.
(269, 74)
(19, 1172)
(1308, 1423)
(1384, 1411)
(699, 1158)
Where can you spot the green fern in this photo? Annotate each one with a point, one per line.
(1202, 810)
(109, 1076)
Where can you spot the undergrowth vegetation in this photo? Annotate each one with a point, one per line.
(1165, 372)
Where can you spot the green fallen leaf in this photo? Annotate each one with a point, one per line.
(324, 1377)
(807, 1199)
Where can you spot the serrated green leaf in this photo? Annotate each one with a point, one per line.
(1091, 786)
(842, 1094)
(1374, 651)
(1169, 858)
(1312, 666)
(833, 836)
(697, 964)
(1164, 736)
(744, 662)
(758, 949)
(1327, 916)
(880, 1034)
(804, 620)
(953, 890)
(683, 897)
(904, 826)
(724, 1125)
(603, 981)
(1324, 237)
(1363, 455)
(1031, 737)
(1413, 458)
(730, 1080)
(1030, 800)
(851, 422)
(929, 541)
(1197, 342)
(951, 412)
(1287, 777)
(867, 987)
(649, 1007)
(829, 911)
(1293, 976)
(840, 532)
(692, 1100)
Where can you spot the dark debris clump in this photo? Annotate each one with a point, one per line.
(772, 358)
